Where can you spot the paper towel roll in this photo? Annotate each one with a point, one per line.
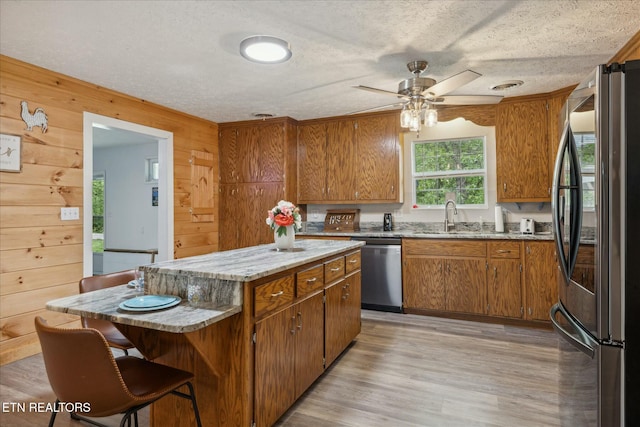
(499, 220)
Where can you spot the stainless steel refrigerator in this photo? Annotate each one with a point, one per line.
(596, 219)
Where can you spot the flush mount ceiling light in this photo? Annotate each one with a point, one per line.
(507, 85)
(265, 49)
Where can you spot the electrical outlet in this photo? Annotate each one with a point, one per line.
(69, 214)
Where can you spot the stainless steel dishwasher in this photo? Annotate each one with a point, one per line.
(381, 274)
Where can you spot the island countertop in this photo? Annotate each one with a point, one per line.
(220, 275)
(255, 262)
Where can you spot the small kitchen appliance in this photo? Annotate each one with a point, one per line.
(527, 226)
(387, 223)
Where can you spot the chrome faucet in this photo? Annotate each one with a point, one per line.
(447, 225)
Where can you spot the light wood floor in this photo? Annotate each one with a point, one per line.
(403, 370)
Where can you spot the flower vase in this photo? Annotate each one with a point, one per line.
(286, 241)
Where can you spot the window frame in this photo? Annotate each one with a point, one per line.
(449, 174)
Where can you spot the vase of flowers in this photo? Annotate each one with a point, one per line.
(284, 219)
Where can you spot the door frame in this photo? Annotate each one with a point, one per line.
(165, 184)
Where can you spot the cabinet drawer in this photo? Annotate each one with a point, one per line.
(352, 262)
(333, 270)
(445, 247)
(504, 249)
(273, 295)
(309, 280)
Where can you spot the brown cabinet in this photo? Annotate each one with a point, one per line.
(540, 279)
(522, 151)
(257, 169)
(350, 160)
(504, 279)
(302, 324)
(342, 315)
(447, 275)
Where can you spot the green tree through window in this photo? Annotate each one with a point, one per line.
(449, 166)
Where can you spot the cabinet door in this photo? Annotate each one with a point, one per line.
(256, 199)
(465, 285)
(423, 283)
(378, 154)
(541, 286)
(353, 302)
(228, 231)
(504, 288)
(341, 158)
(312, 141)
(336, 316)
(274, 368)
(271, 146)
(228, 155)
(522, 152)
(309, 342)
(248, 153)
(378, 158)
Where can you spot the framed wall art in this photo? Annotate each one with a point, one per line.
(10, 153)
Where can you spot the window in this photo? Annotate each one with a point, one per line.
(586, 145)
(98, 211)
(449, 166)
(152, 170)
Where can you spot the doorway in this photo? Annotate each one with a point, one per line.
(160, 192)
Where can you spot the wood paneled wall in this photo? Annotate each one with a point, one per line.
(40, 255)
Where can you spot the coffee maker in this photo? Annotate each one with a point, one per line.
(387, 223)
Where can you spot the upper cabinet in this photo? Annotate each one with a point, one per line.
(350, 160)
(257, 169)
(522, 152)
(527, 136)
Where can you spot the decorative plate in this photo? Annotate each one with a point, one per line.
(150, 303)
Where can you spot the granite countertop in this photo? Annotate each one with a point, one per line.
(248, 264)
(103, 304)
(434, 235)
(220, 274)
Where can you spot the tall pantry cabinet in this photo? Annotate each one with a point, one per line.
(257, 169)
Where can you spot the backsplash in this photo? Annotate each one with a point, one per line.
(427, 227)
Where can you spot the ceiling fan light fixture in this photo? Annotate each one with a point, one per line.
(431, 117)
(405, 117)
(265, 49)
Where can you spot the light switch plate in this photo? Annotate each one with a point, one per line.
(69, 214)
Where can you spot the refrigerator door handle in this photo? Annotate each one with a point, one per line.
(558, 202)
(583, 342)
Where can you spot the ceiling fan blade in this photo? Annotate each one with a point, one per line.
(397, 104)
(385, 92)
(452, 83)
(467, 100)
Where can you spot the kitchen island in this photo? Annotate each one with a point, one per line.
(267, 326)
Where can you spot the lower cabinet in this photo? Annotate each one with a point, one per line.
(504, 279)
(514, 279)
(289, 357)
(456, 283)
(303, 323)
(541, 279)
(342, 315)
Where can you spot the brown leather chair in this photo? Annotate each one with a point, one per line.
(113, 336)
(82, 368)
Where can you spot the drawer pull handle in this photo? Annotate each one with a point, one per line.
(336, 269)
(504, 251)
(277, 294)
(353, 261)
(313, 279)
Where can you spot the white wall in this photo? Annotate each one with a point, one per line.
(131, 222)
(405, 213)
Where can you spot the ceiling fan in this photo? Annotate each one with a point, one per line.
(420, 95)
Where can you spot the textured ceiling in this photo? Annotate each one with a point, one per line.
(184, 54)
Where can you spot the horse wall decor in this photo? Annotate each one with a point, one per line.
(38, 118)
